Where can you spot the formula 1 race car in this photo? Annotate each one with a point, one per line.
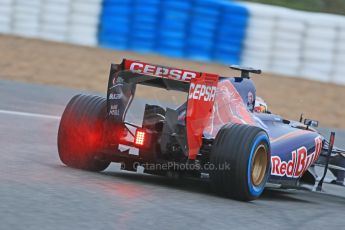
(221, 130)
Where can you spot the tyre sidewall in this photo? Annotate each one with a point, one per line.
(261, 138)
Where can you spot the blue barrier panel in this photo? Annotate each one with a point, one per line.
(173, 27)
(115, 26)
(207, 30)
(230, 33)
(144, 25)
(202, 31)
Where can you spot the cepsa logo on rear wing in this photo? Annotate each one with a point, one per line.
(200, 89)
(160, 71)
(201, 97)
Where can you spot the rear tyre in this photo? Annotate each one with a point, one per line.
(80, 133)
(246, 150)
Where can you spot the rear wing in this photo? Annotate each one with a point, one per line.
(201, 88)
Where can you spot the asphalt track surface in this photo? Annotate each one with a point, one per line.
(38, 192)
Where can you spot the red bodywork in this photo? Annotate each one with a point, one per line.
(199, 110)
(228, 108)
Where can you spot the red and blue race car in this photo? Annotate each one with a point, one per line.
(221, 130)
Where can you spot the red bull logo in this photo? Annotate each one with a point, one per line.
(299, 163)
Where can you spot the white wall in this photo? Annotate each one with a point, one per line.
(296, 43)
(73, 21)
(84, 22)
(55, 18)
(6, 9)
(338, 74)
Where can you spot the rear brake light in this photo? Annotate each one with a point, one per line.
(139, 138)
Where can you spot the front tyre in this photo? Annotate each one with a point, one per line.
(80, 133)
(246, 149)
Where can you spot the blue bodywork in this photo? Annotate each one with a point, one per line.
(289, 139)
(294, 147)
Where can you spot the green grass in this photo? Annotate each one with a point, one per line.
(326, 6)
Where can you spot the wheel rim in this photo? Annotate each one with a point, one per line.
(259, 165)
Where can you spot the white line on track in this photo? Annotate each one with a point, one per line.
(25, 114)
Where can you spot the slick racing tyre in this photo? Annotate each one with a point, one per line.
(246, 150)
(80, 133)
